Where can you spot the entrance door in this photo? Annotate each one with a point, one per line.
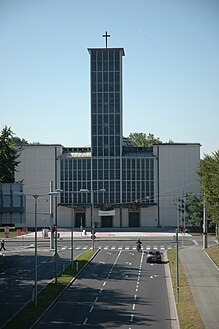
(107, 221)
(134, 219)
(79, 219)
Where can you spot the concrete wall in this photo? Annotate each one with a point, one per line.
(36, 169)
(177, 175)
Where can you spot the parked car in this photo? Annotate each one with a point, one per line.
(154, 256)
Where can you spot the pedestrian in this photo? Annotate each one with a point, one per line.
(2, 245)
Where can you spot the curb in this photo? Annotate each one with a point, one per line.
(211, 260)
(172, 303)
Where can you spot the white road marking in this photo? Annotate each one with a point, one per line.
(135, 297)
(131, 318)
(91, 309)
(85, 321)
(104, 283)
(96, 299)
(133, 306)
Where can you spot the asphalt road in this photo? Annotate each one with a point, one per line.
(17, 267)
(116, 290)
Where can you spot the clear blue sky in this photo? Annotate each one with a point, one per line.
(170, 71)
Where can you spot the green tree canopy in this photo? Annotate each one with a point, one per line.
(18, 141)
(8, 156)
(209, 178)
(193, 208)
(143, 140)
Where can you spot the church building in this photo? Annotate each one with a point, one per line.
(111, 184)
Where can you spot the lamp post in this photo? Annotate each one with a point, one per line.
(36, 196)
(56, 256)
(72, 232)
(92, 207)
(205, 227)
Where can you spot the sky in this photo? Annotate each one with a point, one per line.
(170, 68)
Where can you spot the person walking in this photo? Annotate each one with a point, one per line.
(139, 243)
(2, 245)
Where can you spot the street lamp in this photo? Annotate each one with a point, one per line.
(205, 227)
(92, 207)
(72, 229)
(56, 256)
(36, 196)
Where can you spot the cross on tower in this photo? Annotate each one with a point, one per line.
(106, 36)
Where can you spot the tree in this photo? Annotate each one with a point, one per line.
(18, 141)
(8, 156)
(209, 174)
(143, 140)
(193, 208)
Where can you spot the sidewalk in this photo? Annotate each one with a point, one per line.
(203, 278)
(102, 235)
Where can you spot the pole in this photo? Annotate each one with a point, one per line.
(51, 217)
(72, 221)
(92, 226)
(177, 267)
(56, 236)
(35, 281)
(205, 227)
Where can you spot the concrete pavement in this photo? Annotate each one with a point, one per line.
(66, 234)
(203, 278)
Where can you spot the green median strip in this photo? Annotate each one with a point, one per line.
(189, 317)
(31, 313)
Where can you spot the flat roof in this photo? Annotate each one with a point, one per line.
(106, 49)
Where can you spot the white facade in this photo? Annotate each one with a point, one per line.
(177, 166)
(38, 167)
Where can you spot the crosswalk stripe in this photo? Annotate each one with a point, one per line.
(115, 247)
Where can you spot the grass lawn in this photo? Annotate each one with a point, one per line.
(189, 317)
(213, 252)
(30, 313)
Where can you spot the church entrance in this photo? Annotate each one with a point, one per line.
(107, 221)
(134, 219)
(79, 219)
